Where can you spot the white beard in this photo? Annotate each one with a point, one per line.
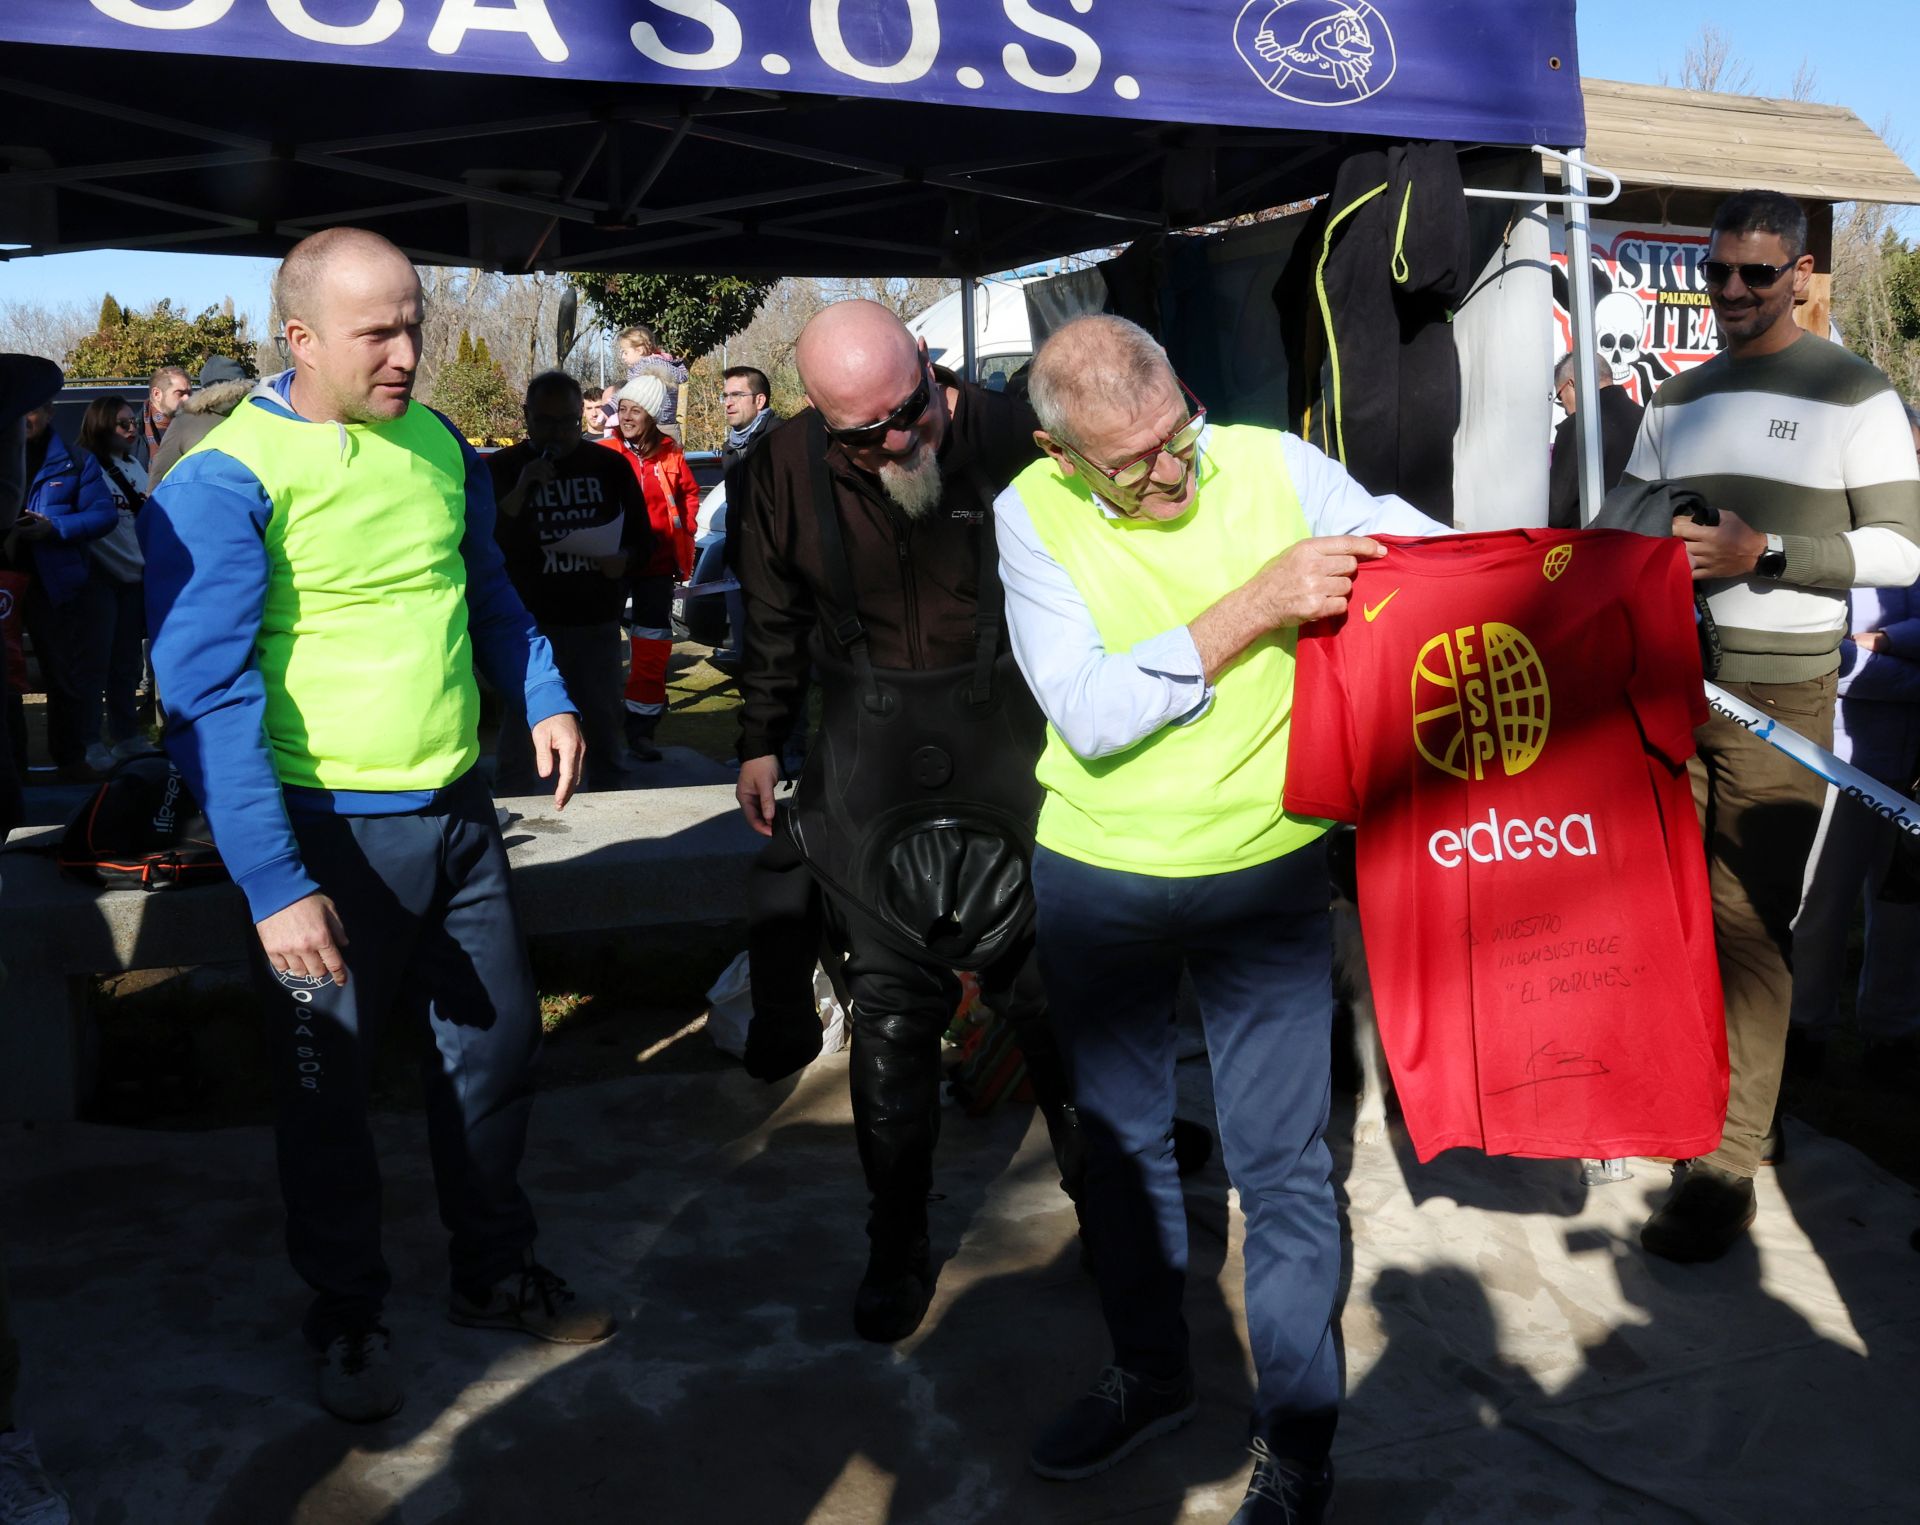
(914, 485)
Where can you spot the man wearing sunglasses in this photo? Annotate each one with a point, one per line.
(1167, 673)
(866, 556)
(1803, 449)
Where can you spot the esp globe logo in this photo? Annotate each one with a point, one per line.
(1480, 697)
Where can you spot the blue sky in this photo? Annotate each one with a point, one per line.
(1861, 65)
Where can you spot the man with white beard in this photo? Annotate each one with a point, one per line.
(867, 556)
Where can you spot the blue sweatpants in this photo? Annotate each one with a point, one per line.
(1258, 945)
(432, 941)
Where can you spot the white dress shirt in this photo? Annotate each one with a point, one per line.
(1103, 702)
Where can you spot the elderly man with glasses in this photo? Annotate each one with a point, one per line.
(1166, 673)
(867, 557)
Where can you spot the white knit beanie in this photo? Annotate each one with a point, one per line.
(646, 392)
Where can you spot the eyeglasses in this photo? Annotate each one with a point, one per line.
(124, 423)
(1753, 277)
(903, 417)
(737, 396)
(1133, 474)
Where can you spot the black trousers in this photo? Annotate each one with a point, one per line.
(433, 940)
(900, 1006)
(59, 640)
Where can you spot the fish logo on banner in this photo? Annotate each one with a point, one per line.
(1316, 52)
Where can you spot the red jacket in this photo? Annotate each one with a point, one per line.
(673, 504)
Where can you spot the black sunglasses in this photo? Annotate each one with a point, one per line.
(903, 417)
(1754, 277)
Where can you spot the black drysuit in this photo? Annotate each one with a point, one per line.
(1366, 302)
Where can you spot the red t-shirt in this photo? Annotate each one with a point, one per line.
(1508, 717)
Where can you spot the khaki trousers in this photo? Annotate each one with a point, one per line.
(1759, 811)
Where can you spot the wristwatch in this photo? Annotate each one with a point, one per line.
(1773, 560)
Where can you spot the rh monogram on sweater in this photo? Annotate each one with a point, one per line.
(1810, 444)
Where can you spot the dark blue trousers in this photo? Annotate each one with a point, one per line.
(432, 941)
(1258, 945)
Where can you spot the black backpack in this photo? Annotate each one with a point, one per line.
(141, 830)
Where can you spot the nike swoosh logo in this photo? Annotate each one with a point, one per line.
(1374, 613)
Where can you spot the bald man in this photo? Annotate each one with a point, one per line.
(321, 576)
(866, 555)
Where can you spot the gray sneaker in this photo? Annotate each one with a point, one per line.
(357, 1379)
(27, 1495)
(535, 1301)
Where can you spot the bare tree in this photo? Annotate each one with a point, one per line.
(35, 328)
(1867, 257)
(906, 296)
(1711, 64)
(513, 313)
(1805, 82)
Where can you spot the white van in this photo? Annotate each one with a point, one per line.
(1000, 326)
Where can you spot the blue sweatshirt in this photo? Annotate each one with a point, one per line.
(72, 492)
(203, 534)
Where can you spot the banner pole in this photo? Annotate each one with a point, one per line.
(1889, 804)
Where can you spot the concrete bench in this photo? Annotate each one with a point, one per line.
(634, 859)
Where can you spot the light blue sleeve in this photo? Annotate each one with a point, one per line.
(1335, 504)
(1099, 702)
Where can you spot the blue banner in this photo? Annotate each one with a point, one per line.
(1471, 70)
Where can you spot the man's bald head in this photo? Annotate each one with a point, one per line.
(352, 308)
(860, 367)
(324, 260)
(857, 362)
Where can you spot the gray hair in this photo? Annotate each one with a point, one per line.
(1563, 371)
(1089, 362)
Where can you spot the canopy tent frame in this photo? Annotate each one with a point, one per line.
(669, 161)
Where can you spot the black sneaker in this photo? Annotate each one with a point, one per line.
(1283, 1492)
(1122, 1413)
(893, 1296)
(357, 1379)
(1703, 1218)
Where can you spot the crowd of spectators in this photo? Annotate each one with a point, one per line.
(71, 571)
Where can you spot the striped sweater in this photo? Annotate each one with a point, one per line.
(1810, 444)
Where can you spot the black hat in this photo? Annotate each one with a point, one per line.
(219, 369)
(26, 381)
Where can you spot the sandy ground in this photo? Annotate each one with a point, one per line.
(1511, 1355)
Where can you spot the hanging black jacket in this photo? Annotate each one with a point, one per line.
(1366, 303)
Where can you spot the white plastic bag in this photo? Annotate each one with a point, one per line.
(833, 1016)
(730, 1009)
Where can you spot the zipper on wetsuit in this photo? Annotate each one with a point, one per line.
(903, 543)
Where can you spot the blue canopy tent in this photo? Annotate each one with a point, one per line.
(756, 137)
